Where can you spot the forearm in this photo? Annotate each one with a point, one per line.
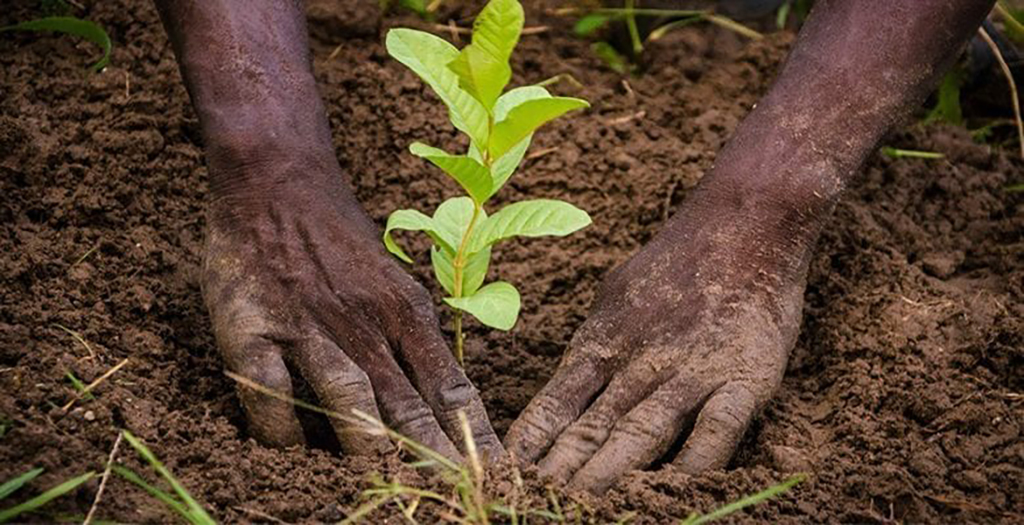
(858, 68)
(247, 67)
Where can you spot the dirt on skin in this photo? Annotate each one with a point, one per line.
(903, 398)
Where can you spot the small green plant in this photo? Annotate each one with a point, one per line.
(184, 504)
(12, 485)
(72, 26)
(595, 20)
(500, 125)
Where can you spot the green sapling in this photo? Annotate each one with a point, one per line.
(500, 125)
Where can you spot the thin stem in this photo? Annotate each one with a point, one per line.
(459, 265)
(634, 33)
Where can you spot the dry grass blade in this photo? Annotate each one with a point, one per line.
(103, 480)
(1009, 80)
(78, 337)
(106, 375)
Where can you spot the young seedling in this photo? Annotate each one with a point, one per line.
(500, 125)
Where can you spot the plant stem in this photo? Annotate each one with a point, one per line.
(634, 33)
(459, 265)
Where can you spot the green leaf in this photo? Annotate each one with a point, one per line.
(482, 67)
(472, 275)
(16, 483)
(515, 98)
(533, 218)
(505, 166)
(470, 174)
(525, 118)
(72, 26)
(590, 24)
(611, 58)
(451, 219)
(44, 498)
(444, 270)
(497, 28)
(428, 56)
(482, 75)
(495, 305)
(408, 220)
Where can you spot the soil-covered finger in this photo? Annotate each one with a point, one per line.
(641, 436)
(403, 408)
(445, 387)
(554, 408)
(341, 386)
(583, 438)
(271, 420)
(719, 428)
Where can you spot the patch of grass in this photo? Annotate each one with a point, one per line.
(71, 26)
(12, 485)
(183, 504)
(594, 20)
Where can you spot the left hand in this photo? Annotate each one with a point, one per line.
(695, 330)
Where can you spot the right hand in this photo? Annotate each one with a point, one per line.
(296, 273)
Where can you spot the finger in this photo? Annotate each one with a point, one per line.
(585, 437)
(271, 420)
(718, 430)
(445, 387)
(341, 386)
(641, 436)
(403, 408)
(557, 405)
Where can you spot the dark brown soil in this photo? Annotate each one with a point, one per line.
(904, 398)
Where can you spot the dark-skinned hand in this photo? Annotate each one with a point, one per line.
(297, 274)
(692, 332)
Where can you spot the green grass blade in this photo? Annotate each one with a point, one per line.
(72, 26)
(44, 498)
(161, 495)
(753, 499)
(79, 385)
(14, 484)
(897, 153)
(197, 512)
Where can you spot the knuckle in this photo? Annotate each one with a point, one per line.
(413, 415)
(545, 416)
(457, 395)
(348, 386)
(639, 430)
